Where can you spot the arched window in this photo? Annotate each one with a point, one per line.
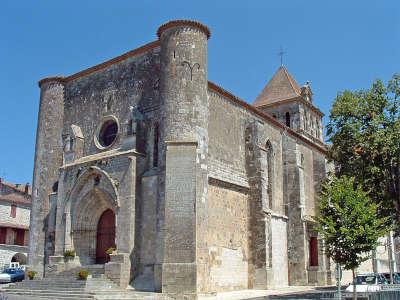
(274, 116)
(269, 173)
(287, 119)
(155, 146)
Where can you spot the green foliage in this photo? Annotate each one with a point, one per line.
(83, 274)
(110, 250)
(69, 254)
(349, 222)
(364, 130)
(31, 274)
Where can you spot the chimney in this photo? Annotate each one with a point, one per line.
(27, 188)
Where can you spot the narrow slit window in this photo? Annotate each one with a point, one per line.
(155, 146)
(287, 119)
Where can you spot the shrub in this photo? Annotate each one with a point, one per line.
(110, 250)
(69, 254)
(31, 274)
(83, 274)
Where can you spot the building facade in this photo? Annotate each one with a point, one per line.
(15, 208)
(192, 189)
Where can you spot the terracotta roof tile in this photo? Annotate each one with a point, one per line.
(16, 198)
(281, 87)
(16, 187)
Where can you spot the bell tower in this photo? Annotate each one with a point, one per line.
(292, 105)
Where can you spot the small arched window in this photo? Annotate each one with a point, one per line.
(269, 171)
(287, 119)
(155, 146)
(274, 116)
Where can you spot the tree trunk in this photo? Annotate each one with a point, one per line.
(354, 284)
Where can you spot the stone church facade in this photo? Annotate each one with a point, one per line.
(192, 189)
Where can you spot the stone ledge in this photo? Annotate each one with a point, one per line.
(16, 248)
(178, 143)
(103, 155)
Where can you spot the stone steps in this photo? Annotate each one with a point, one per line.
(131, 295)
(50, 294)
(99, 295)
(64, 285)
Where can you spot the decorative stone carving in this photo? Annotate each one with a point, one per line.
(191, 68)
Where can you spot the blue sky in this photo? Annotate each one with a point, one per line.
(336, 45)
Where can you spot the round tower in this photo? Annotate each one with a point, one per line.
(185, 110)
(183, 78)
(48, 159)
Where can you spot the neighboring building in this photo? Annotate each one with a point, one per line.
(15, 209)
(198, 190)
(378, 262)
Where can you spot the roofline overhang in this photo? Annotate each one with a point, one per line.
(107, 63)
(216, 88)
(294, 99)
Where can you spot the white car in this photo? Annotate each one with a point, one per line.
(367, 283)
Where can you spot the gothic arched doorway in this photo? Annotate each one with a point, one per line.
(105, 236)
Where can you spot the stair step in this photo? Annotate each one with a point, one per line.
(50, 294)
(50, 288)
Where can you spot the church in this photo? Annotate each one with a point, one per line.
(160, 179)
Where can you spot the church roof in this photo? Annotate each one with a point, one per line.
(282, 86)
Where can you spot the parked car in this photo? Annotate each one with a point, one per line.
(396, 277)
(370, 282)
(12, 275)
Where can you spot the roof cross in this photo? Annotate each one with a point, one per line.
(281, 53)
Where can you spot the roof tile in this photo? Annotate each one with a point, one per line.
(281, 87)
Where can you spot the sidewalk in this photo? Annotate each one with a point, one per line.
(259, 294)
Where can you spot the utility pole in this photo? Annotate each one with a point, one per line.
(338, 280)
(390, 256)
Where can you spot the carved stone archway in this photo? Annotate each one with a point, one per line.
(93, 193)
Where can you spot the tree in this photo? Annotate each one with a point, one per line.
(349, 223)
(364, 130)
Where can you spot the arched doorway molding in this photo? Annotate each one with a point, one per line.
(19, 257)
(93, 192)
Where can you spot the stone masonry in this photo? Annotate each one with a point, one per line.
(174, 184)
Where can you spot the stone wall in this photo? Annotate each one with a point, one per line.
(8, 251)
(279, 252)
(111, 92)
(22, 214)
(306, 163)
(227, 238)
(279, 111)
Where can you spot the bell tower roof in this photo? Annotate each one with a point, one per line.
(282, 86)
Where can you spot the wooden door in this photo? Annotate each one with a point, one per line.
(105, 236)
(3, 235)
(313, 251)
(19, 237)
